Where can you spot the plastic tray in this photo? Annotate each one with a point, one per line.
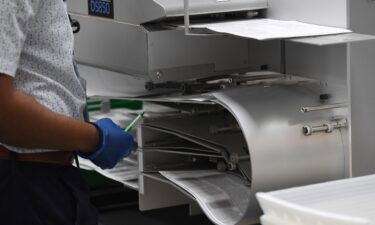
(344, 202)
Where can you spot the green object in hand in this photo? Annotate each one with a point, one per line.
(134, 122)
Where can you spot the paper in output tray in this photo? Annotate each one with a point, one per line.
(222, 196)
(267, 29)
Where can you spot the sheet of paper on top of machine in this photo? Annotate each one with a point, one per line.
(222, 196)
(268, 29)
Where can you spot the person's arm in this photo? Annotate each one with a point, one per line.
(26, 123)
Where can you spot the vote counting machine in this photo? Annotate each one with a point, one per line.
(270, 114)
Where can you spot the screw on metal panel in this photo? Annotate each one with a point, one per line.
(159, 75)
(307, 130)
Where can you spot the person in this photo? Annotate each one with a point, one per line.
(42, 104)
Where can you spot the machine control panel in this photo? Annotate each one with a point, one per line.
(102, 8)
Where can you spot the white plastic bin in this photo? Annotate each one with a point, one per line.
(344, 202)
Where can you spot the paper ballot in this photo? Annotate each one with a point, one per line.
(267, 29)
(222, 196)
(125, 172)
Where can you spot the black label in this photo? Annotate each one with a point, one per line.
(102, 8)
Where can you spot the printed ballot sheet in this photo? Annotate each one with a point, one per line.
(222, 196)
(125, 172)
(267, 29)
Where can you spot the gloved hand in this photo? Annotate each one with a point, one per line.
(115, 145)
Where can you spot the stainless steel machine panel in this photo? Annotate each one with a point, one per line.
(142, 11)
(122, 47)
(180, 57)
(157, 53)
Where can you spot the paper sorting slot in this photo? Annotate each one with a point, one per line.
(196, 147)
(185, 142)
(167, 151)
(223, 195)
(178, 137)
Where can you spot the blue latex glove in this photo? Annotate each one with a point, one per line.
(115, 145)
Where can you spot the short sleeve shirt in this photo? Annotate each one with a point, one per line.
(36, 48)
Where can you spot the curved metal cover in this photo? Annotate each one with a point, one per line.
(281, 155)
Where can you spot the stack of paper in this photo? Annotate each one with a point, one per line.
(343, 202)
(222, 196)
(125, 172)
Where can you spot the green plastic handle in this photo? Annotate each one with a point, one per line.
(134, 122)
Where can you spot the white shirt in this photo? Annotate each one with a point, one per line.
(36, 48)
